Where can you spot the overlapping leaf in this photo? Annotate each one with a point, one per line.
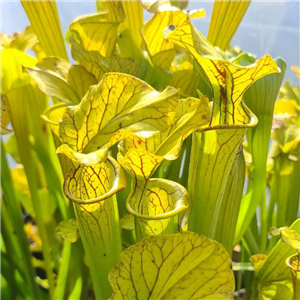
(23, 41)
(227, 94)
(260, 98)
(60, 79)
(155, 202)
(98, 65)
(273, 270)
(191, 115)
(93, 190)
(184, 75)
(99, 32)
(228, 82)
(117, 105)
(162, 51)
(180, 266)
(133, 22)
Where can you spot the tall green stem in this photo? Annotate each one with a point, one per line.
(16, 215)
(18, 99)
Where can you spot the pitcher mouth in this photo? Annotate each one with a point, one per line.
(118, 183)
(178, 207)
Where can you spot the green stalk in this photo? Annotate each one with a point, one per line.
(16, 215)
(212, 156)
(101, 241)
(231, 203)
(10, 245)
(18, 100)
(18, 286)
(63, 271)
(260, 98)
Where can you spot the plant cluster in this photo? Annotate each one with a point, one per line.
(157, 129)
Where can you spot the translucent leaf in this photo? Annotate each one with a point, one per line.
(12, 75)
(44, 19)
(191, 115)
(133, 22)
(23, 41)
(5, 115)
(180, 266)
(155, 202)
(117, 105)
(161, 50)
(68, 230)
(98, 65)
(98, 32)
(227, 96)
(60, 79)
(225, 19)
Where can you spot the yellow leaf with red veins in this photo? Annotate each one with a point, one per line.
(179, 266)
(156, 203)
(118, 104)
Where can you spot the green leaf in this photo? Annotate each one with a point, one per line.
(49, 204)
(155, 202)
(125, 105)
(287, 235)
(68, 230)
(228, 214)
(276, 290)
(180, 266)
(225, 20)
(274, 267)
(58, 78)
